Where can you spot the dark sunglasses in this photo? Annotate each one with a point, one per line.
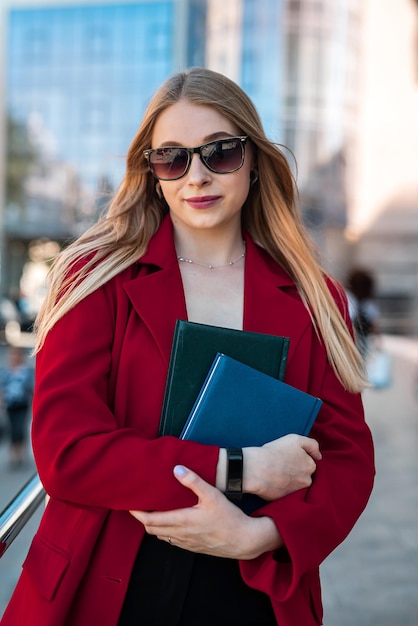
(222, 156)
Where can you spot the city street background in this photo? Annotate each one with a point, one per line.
(372, 578)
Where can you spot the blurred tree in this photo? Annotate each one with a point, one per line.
(21, 155)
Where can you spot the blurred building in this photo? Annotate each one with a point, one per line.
(245, 39)
(79, 73)
(383, 212)
(299, 60)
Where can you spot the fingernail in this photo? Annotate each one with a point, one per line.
(179, 470)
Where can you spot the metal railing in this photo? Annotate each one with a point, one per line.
(19, 511)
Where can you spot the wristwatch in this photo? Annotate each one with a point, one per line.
(234, 473)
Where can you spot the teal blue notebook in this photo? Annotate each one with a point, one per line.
(193, 350)
(240, 406)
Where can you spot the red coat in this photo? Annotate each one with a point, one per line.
(99, 387)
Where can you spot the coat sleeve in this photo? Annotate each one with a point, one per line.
(85, 455)
(314, 521)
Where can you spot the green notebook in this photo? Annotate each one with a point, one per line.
(194, 348)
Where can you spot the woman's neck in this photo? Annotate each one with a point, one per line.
(209, 249)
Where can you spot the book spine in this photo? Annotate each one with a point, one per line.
(201, 398)
(285, 352)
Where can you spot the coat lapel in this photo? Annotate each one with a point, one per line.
(156, 292)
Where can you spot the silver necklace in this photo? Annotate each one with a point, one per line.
(182, 259)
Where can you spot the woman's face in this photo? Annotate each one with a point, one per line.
(201, 199)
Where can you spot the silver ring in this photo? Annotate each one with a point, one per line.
(169, 541)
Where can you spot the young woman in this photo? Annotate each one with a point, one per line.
(138, 530)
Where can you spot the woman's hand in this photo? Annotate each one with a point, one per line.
(281, 466)
(213, 526)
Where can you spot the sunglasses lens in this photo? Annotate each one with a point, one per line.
(169, 163)
(224, 156)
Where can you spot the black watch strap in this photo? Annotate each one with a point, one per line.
(234, 473)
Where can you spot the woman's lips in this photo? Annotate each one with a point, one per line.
(202, 202)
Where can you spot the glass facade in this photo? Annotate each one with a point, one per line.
(79, 78)
(262, 63)
(245, 41)
(321, 93)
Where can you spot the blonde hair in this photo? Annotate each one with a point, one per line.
(270, 215)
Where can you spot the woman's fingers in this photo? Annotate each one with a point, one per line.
(311, 446)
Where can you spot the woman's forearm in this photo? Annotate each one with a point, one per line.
(276, 469)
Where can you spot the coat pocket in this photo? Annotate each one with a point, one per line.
(46, 565)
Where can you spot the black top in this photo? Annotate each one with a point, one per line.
(173, 587)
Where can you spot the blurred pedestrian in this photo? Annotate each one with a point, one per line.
(16, 388)
(363, 310)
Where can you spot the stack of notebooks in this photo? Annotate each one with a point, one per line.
(225, 387)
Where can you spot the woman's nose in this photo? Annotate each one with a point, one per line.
(198, 173)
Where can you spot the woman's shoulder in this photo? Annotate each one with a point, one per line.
(111, 289)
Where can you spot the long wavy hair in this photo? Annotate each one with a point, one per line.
(270, 214)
